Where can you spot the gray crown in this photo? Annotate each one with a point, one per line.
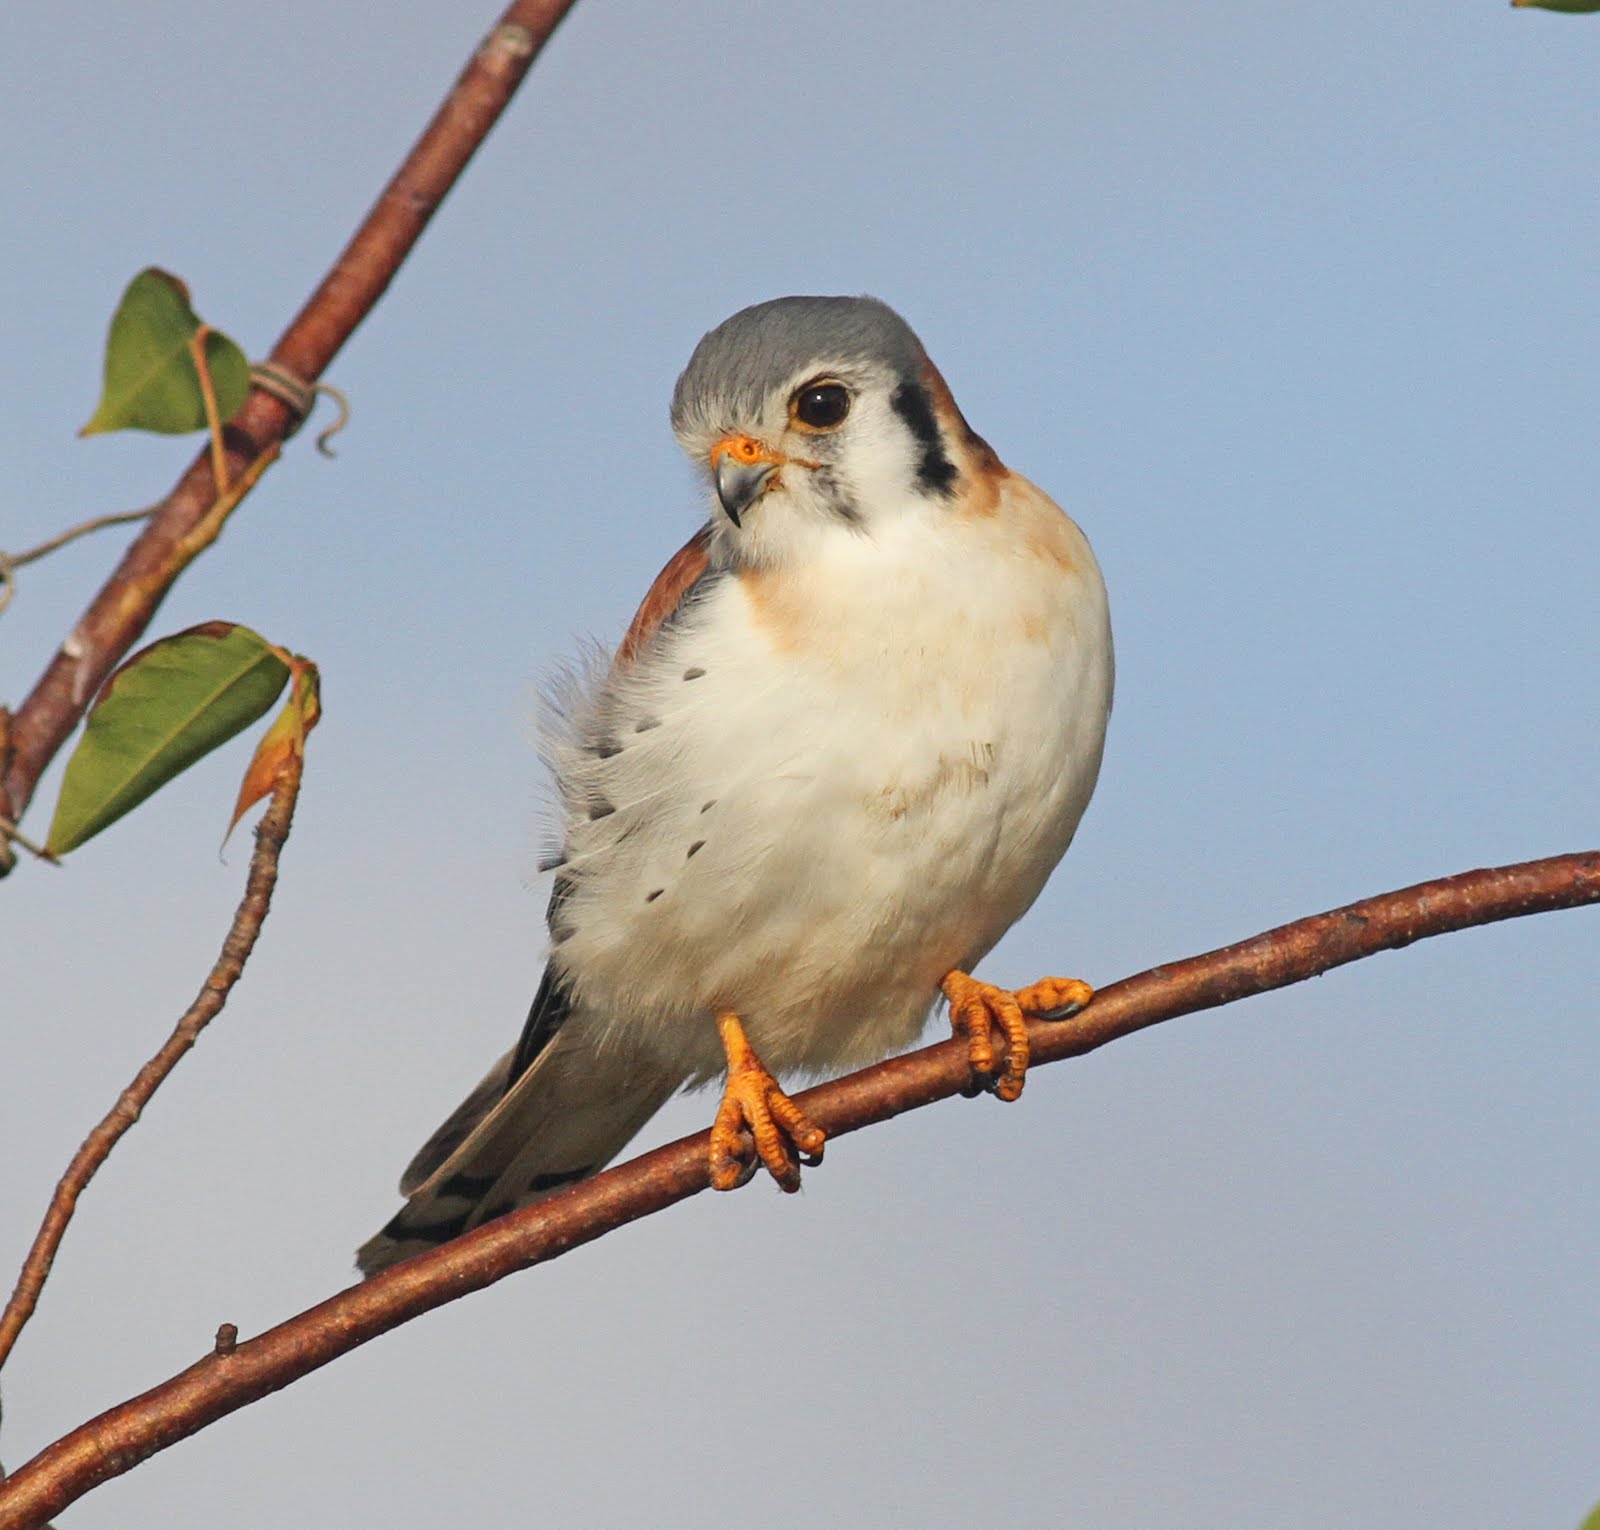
(744, 358)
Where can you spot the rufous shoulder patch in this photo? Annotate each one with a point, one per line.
(683, 570)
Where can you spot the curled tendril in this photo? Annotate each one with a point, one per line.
(300, 397)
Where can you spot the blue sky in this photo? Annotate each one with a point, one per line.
(1295, 309)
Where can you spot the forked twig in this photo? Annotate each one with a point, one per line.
(184, 523)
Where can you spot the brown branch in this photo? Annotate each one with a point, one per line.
(271, 833)
(184, 524)
(232, 1375)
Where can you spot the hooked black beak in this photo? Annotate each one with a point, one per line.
(741, 468)
(739, 484)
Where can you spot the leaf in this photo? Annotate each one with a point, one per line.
(1574, 7)
(151, 382)
(283, 741)
(1592, 1522)
(161, 711)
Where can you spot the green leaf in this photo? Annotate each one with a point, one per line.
(1575, 7)
(1593, 1520)
(150, 378)
(161, 711)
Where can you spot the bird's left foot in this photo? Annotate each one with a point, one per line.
(978, 1009)
(784, 1136)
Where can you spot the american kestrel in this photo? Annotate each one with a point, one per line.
(845, 740)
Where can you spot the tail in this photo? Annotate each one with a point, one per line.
(525, 1131)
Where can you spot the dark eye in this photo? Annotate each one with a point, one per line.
(821, 405)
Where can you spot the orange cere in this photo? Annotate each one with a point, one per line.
(744, 449)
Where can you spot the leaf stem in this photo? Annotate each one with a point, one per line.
(208, 392)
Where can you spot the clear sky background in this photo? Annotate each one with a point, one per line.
(1295, 308)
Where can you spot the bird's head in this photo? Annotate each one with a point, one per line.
(815, 415)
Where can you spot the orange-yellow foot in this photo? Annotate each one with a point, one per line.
(751, 1101)
(978, 1009)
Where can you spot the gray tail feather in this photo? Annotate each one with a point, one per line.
(566, 1118)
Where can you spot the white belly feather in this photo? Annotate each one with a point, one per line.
(810, 831)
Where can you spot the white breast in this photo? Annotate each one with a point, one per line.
(828, 789)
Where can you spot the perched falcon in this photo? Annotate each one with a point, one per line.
(839, 750)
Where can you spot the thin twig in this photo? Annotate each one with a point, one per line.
(122, 608)
(9, 831)
(11, 562)
(221, 1383)
(99, 523)
(271, 833)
